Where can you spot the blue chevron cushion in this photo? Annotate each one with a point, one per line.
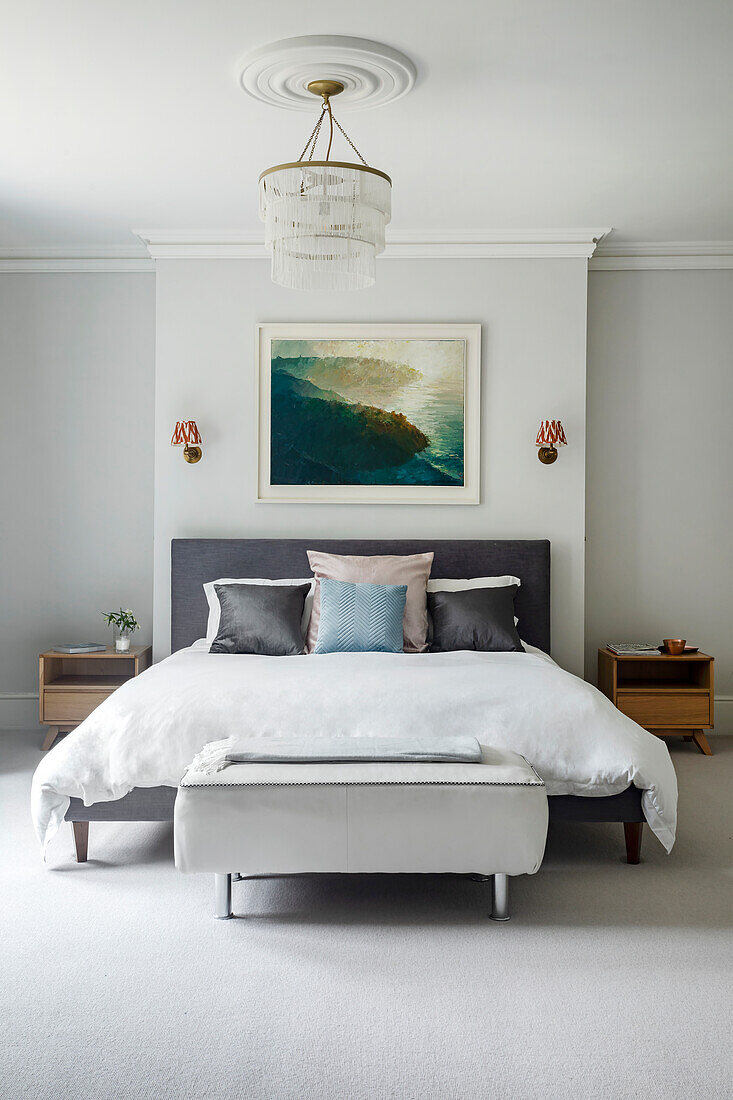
(360, 618)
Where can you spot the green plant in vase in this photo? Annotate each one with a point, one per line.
(124, 623)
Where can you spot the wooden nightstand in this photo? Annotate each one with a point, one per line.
(669, 696)
(71, 685)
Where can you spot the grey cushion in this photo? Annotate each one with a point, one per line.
(477, 618)
(260, 618)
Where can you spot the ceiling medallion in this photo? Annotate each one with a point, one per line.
(372, 74)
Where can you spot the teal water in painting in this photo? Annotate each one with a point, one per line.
(355, 420)
(437, 410)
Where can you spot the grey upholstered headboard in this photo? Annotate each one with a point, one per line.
(195, 561)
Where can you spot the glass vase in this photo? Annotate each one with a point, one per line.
(122, 640)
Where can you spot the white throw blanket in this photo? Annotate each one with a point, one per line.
(147, 733)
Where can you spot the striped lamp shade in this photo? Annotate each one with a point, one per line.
(185, 432)
(551, 434)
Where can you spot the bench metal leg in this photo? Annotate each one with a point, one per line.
(500, 898)
(223, 888)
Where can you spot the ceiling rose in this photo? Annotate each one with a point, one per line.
(370, 72)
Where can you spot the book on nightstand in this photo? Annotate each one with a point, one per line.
(633, 649)
(80, 647)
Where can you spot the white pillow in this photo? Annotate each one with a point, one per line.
(449, 585)
(212, 626)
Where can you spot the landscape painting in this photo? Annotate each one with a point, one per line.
(356, 417)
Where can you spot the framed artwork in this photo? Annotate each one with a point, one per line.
(369, 414)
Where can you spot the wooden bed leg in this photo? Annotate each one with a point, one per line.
(81, 839)
(633, 832)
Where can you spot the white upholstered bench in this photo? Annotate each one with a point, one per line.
(488, 818)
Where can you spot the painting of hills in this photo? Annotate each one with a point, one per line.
(367, 412)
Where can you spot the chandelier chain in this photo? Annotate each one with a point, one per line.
(361, 158)
(314, 134)
(315, 138)
(310, 145)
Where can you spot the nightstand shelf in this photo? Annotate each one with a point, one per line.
(654, 685)
(71, 685)
(669, 696)
(85, 683)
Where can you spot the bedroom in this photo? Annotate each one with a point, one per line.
(561, 222)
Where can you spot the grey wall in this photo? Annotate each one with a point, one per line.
(77, 356)
(659, 464)
(533, 314)
(77, 376)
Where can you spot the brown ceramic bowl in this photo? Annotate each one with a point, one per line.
(675, 646)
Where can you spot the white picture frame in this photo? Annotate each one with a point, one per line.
(466, 493)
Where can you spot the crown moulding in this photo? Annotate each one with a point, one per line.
(70, 260)
(663, 256)
(602, 255)
(469, 244)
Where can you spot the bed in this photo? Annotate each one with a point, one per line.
(195, 561)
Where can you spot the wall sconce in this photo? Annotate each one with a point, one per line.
(187, 434)
(549, 438)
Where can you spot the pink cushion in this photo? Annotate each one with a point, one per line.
(412, 570)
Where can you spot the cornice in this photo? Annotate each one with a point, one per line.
(467, 244)
(602, 253)
(39, 260)
(663, 256)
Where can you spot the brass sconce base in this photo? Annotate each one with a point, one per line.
(547, 455)
(191, 454)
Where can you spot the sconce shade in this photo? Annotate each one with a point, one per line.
(551, 434)
(185, 432)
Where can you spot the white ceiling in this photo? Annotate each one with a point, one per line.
(526, 113)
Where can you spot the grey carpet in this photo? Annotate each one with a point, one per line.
(610, 981)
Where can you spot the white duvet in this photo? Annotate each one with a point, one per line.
(146, 734)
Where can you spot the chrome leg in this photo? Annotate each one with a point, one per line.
(223, 890)
(500, 898)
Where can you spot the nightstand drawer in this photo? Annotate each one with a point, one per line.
(71, 706)
(668, 708)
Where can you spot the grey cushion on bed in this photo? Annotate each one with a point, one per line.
(476, 618)
(262, 619)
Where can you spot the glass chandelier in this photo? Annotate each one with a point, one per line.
(324, 219)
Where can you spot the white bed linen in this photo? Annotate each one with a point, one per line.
(147, 733)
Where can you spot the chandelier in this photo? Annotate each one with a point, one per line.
(324, 219)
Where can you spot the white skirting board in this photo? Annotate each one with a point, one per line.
(19, 711)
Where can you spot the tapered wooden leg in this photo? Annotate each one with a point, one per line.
(81, 839)
(633, 831)
(702, 742)
(51, 735)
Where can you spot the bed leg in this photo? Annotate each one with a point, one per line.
(81, 839)
(223, 891)
(500, 897)
(633, 832)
